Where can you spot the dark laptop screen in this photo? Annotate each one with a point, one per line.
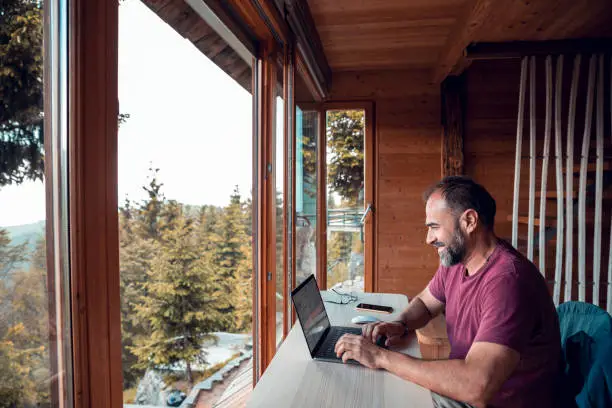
(311, 312)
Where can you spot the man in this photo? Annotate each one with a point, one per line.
(501, 321)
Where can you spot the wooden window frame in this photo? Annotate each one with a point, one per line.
(274, 40)
(93, 172)
(94, 223)
(370, 195)
(289, 186)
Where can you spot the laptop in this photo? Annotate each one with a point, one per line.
(320, 335)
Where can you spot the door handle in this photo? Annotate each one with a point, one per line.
(367, 211)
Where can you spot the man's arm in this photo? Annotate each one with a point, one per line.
(421, 310)
(474, 380)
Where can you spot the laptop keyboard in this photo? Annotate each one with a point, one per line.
(327, 350)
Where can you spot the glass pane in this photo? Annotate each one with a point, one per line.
(185, 181)
(307, 125)
(345, 199)
(280, 179)
(35, 345)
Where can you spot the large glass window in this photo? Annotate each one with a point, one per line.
(279, 159)
(185, 181)
(35, 346)
(345, 199)
(307, 125)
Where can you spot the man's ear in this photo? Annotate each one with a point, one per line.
(469, 220)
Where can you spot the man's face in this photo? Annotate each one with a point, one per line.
(444, 231)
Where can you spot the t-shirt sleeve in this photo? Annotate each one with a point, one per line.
(437, 284)
(506, 316)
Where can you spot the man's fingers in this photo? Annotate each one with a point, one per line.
(367, 329)
(340, 348)
(345, 346)
(348, 355)
(376, 332)
(346, 339)
(393, 340)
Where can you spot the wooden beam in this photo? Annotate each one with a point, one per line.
(451, 59)
(452, 93)
(315, 89)
(263, 19)
(519, 49)
(309, 43)
(221, 9)
(94, 224)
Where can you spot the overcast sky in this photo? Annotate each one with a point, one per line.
(187, 117)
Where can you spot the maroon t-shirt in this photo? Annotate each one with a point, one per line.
(506, 302)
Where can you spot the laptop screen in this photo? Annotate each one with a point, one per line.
(311, 311)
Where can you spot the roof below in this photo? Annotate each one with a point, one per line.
(184, 20)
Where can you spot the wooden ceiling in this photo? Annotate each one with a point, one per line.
(366, 34)
(432, 34)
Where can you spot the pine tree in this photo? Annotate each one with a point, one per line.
(181, 302)
(338, 255)
(345, 141)
(139, 233)
(24, 347)
(18, 369)
(21, 90)
(136, 254)
(150, 211)
(229, 252)
(10, 255)
(206, 229)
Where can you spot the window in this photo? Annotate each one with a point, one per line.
(307, 126)
(185, 184)
(334, 212)
(345, 137)
(35, 337)
(279, 160)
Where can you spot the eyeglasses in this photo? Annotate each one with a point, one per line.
(345, 298)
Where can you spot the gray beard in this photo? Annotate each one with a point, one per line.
(454, 252)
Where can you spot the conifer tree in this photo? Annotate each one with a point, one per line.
(181, 303)
(229, 252)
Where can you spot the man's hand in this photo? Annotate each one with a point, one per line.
(352, 347)
(392, 330)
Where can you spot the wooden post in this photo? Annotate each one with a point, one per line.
(542, 233)
(569, 186)
(559, 181)
(518, 150)
(532, 159)
(598, 182)
(584, 162)
(94, 223)
(452, 92)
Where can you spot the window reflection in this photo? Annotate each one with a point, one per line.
(34, 289)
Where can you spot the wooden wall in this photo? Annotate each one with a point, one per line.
(489, 146)
(490, 133)
(408, 151)
(408, 159)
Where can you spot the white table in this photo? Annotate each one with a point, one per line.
(295, 380)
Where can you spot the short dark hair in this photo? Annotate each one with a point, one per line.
(462, 193)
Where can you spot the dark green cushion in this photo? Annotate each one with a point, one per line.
(585, 331)
(597, 391)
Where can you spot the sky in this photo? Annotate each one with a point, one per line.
(187, 117)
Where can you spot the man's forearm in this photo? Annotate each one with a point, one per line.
(451, 378)
(416, 315)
